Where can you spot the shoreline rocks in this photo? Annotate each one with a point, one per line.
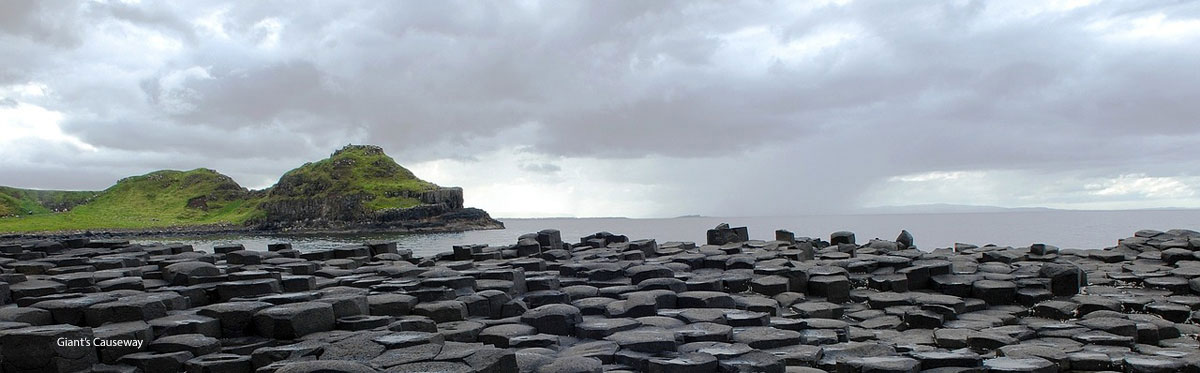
(466, 219)
(607, 303)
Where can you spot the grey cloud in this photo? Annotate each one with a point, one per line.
(923, 87)
(256, 96)
(541, 168)
(51, 22)
(155, 15)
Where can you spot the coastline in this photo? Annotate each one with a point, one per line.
(222, 229)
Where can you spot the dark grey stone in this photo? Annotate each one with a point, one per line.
(651, 340)
(235, 318)
(219, 363)
(186, 324)
(704, 299)
(598, 328)
(196, 344)
(696, 362)
(40, 348)
(573, 364)
(396, 340)
(442, 311)
(157, 361)
(995, 292)
(753, 361)
(391, 304)
(1028, 364)
(339, 366)
(294, 320)
(559, 319)
(502, 335)
(363, 322)
(941, 359)
(766, 337)
(880, 364)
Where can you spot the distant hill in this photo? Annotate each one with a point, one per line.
(936, 208)
(14, 201)
(358, 186)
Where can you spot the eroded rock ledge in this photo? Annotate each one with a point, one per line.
(607, 303)
(441, 209)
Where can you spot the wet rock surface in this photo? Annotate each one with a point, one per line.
(606, 303)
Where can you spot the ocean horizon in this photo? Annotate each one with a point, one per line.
(1082, 229)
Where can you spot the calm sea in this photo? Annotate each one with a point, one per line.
(1066, 229)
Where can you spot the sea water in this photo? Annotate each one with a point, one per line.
(1066, 229)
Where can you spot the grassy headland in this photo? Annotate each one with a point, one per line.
(168, 198)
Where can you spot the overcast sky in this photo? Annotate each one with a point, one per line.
(610, 108)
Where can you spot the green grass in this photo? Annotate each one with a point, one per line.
(354, 170)
(16, 202)
(160, 199)
(155, 200)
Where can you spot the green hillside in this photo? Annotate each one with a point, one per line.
(355, 170)
(157, 199)
(357, 179)
(14, 201)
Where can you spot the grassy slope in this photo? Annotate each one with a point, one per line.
(14, 201)
(159, 199)
(353, 170)
(155, 200)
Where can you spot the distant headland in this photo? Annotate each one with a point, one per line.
(358, 188)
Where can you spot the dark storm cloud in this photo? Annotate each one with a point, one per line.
(848, 94)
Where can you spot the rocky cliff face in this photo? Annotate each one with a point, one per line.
(452, 197)
(346, 213)
(299, 209)
(360, 186)
(351, 208)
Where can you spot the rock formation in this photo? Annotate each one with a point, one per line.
(357, 188)
(606, 303)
